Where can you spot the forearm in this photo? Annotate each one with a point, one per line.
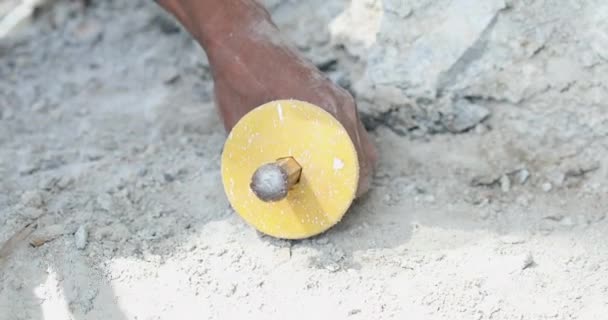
(214, 21)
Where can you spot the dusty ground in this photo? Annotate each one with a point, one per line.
(489, 202)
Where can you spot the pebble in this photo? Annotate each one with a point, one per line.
(168, 177)
(466, 115)
(332, 267)
(522, 176)
(547, 186)
(81, 237)
(505, 183)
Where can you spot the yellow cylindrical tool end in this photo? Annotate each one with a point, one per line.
(261, 173)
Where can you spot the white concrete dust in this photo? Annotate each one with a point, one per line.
(489, 201)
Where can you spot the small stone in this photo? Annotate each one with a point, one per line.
(547, 186)
(332, 267)
(522, 176)
(505, 183)
(81, 237)
(168, 177)
(465, 116)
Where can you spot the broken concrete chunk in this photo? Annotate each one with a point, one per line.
(465, 115)
(433, 58)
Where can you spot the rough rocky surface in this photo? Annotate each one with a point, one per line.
(489, 200)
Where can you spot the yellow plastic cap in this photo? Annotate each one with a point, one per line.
(320, 145)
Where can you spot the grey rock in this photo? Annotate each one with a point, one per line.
(505, 183)
(81, 237)
(522, 176)
(332, 267)
(433, 57)
(465, 116)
